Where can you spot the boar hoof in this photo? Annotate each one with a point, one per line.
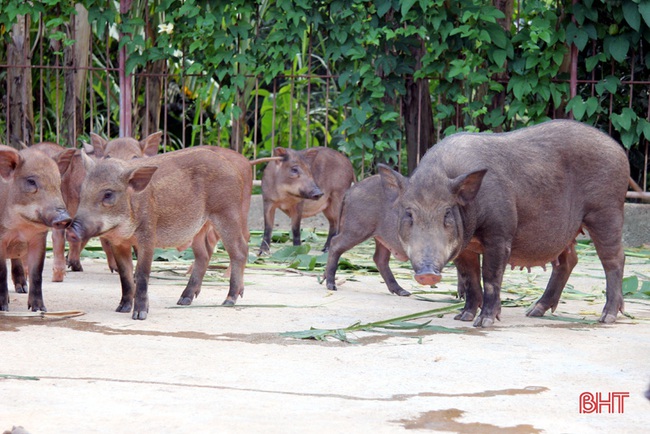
(484, 322)
(184, 301)
(58, 275)
(331, 286)
(139, 314)
(465, 316)
(228, 302)
(124, 307)
(75, 266)
(607, 318)
(21, 288)
(536, 311)
(401, 292)
(35, 307)
(4, 307)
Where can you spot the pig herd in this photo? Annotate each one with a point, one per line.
(481, 200)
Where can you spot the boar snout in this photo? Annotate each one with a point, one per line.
(428, 277)
(314, 194)
(61, 220)
(74, 233)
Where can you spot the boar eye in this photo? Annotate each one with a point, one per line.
(449, 218)
(408, 217)
(31, 185)
(294, 170)
(109, 197)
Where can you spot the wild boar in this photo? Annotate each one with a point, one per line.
(302, 184)
(71, 181)
(144, 203)
(31, 202)
(124, 148)
(517, 198)
(366, 213)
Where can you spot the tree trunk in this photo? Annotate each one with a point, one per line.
(153, 97)
(418, 114)
(19, 80)
(76, 56)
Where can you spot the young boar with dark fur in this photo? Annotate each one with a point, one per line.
(30, 204)
(517, 198)
(367, 213)
(302, 184)
(169, 200)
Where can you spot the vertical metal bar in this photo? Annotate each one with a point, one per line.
(41, 84)
(574, 67)
(308, 134)
(256, 117)
(165, 103)
(293, 89)
(126, 88)
(327, 109)
(108, 83)
(275, 106)
(183, 113)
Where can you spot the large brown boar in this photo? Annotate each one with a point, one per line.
(302, 184)
(30, 204)
(168, 200)
(517, 198)
(365, 213)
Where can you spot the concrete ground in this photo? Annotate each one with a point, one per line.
(229, 370)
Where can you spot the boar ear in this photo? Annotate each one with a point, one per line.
(310, 155)
(88, 148)
(150, 144)
(99, 145)
(89, 163)
(281, 152)
(466, 186)
(9, 160)
(392, 182)
(140, 177)
(63, 160)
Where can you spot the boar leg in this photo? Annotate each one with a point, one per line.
(235, 244)
(341, 243)
(18, 276)
(468, 267)
(35, 263)
(269, 218)
(605, 229)
(106, 246)
(142, 272)
(296, 216)
(566, 261)
(74, 255)
(333, 213)
(381, 258)
(494, 265)
(58, 250)
(4, 289)
(202, 248)
(124, 263)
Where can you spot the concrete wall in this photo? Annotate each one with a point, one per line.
(636, 231)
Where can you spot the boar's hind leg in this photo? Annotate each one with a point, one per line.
(605, 229)
(202, 248)
(237, 248)
(561, 271)
(468, 268)
(124, 263)
(332, 213)
(381, 258)
(18, 276)
(74, 256)
(269, 218)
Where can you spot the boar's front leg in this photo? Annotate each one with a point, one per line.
(495, 260)
(142, 272)
(468, 266)
(269, 218)
(35, 263)
(18, 276)
(566, 261)
(381, 258)
(58, 250)
(74, 255)
(124, 263)
(296, 216)
(4, 289)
